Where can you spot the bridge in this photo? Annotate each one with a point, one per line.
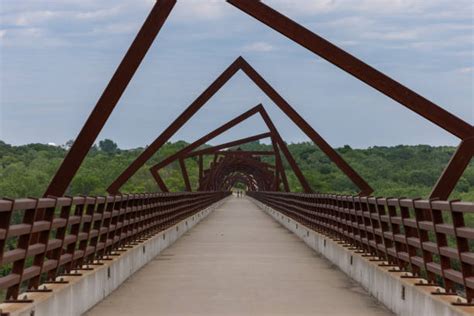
(266, 251)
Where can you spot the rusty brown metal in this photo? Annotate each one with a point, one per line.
(286, 152)
(392, 231)
(454, 170)
(372, 77)
(85, 229)
(185, 152)
(281, 175)
(184, 174)
(160, 182)
(173, 128)
(355, 67)
(259, 173)
(246, 152)
(216, 150)
(238, 64)
(298, 34)
(364, 187)
(201, 166)
(229, 144)
(110, 97)
(154, 169)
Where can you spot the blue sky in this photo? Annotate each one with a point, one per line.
(57, 56)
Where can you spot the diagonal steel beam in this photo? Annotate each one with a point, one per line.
(110, 97)
(184, 173)
(355, 67)
(454, 170)
(229, 144)
(238, 64)
(201, 167)
(280, 169)
(364, 187)
(214, 149)
(203, 140)
(273, 133)
(286, 152)
(174, 127)
(246, 152)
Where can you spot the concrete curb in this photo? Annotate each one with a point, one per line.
(82, 293)
(401, 296)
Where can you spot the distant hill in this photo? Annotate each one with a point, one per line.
(398, 171)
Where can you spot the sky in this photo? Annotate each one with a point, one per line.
(57, 56)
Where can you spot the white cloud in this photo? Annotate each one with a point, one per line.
(420, 7)
(99, 14)
(258, 47)
(398, 35)
(466, 70)
(303, 7)
(198, 9)
(118, 28)
(3, 33)
(348, 43)
(29, 18)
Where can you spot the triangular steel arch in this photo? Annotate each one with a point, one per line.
(298, 34)
(277, 142)
(241, 64)
(379, 81)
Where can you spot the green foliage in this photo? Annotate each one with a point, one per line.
(108, 146)
(408, 171)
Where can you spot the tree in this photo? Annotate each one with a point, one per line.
(68, 144)
(108, 146)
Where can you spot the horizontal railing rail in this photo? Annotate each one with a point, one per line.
(429, 239)
(76, 232)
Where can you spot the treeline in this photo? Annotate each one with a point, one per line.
(408, 171)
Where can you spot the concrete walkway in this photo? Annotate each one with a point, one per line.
(239, 261)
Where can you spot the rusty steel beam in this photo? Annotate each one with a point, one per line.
(279, 166)
(246, 152)
(104, 225)
(173, 128)
(201, 141)
(404, 218)
(286, 152)
(212, 150)
(454, 170)
(160, 182)
(154, 169)
(184, 174)
(355, 67)
(110, 97)
(201, 166)
(274, 134)
(241, 64)
(217, 175)
(364, 187)
(229, 144)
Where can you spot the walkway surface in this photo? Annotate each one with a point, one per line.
(239, 261)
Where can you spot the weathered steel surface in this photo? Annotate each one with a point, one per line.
(454, 170)
(407, 233)
(274, 134)
(172, 128)
(239, 262)
(373, 78)
(355, 67)
(241, 64)
(84, 231)
(110, 97)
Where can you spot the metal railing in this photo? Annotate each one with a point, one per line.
(431, 239)
(73, 233)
